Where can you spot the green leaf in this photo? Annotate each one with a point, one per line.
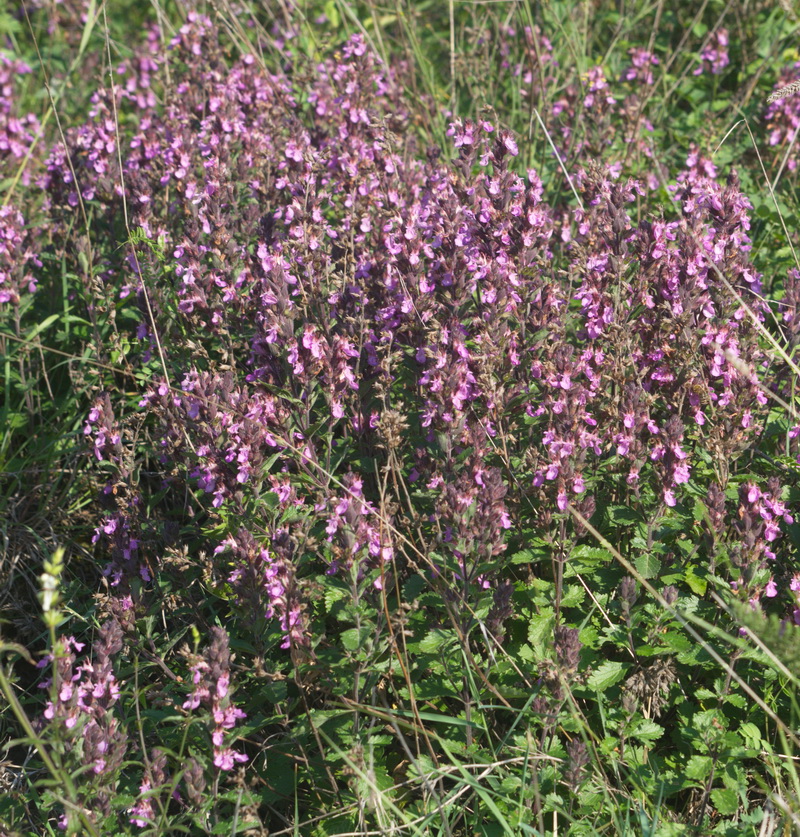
(606, 675)
(528, 556)
(736, 700)
(725, 800)
(591, 556)
(40, 327)
(333, 595)
(413, 587)
(332, 13)
(91, 19)
(356, 638)
(647, 730)
(696, 584)
(589, 636)
(15, 648)
(647, 565)
(435, 641)
(573, 596)
(750, 732)
(698, 768)
(623, 515)
(437, 718)
(526, 653)
(540, 629)
(273, 692)
(676, 641)
(123, 800)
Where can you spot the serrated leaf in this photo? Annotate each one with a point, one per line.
(736, 700)
(589, 636)
(526, 653)
(430, 688)
(606, 675)
(123, 800)
(676, 641)
(540, 629)
(413, 587)
(647, 565)
(725, 800)
(698, 768)
(355, 638)
(435, 640)
(591, 554)
(694, 655)
(273, 692)
(700, 511)
(696, 584)
(333, 595)
(647, 730)
(573, 596)
(750, 732)
(623, 515)
(527, 556)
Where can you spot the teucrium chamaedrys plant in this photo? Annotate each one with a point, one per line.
(368, 386)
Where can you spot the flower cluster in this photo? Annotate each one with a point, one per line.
(782, 118)
(18, 133)
(361, 358)
(640, 70)
(83, 699)
(535, 66)
(211, 684)
(85, 166)
(17, 257)
(344, 280)
(143, 813)
(264, 582)
(104, 431)
(714, 55)
(360, 538)
(758, 524)
(137, 73)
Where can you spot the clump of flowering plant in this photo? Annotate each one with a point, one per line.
(211, 680)
(714, 55)
(18, 260)
(395, 409)
(82, 707)
(18, 132)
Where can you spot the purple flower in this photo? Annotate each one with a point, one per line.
(714, 56)
(211, 679)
